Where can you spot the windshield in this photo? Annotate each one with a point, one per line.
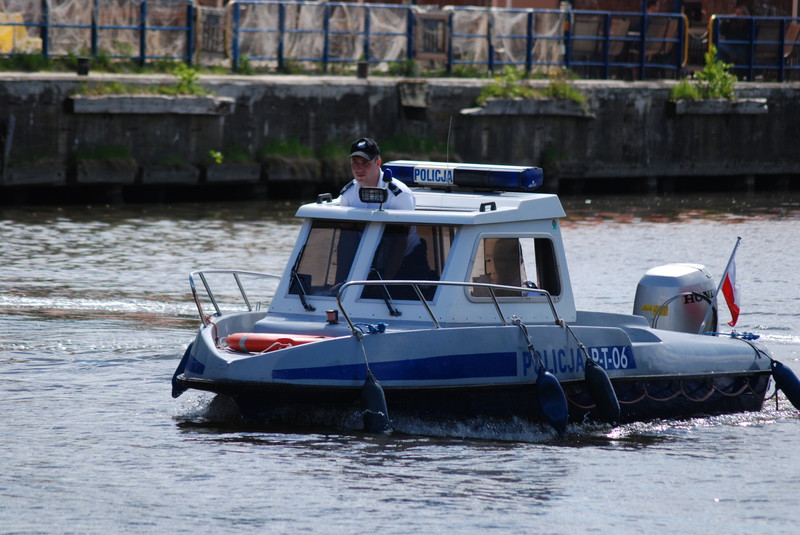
(409, 252)
(326, 258)
(529, 262)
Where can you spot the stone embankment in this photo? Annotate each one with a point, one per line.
(56, 144)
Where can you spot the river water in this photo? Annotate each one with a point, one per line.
(96, 313)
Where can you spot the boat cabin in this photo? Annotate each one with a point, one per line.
(473, 234)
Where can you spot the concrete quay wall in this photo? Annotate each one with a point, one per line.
(628, 136)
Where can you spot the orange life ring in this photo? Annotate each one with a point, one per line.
(264, 342)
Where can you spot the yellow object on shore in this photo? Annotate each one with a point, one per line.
(15, 38)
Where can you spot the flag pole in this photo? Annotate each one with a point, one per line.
(719, 287)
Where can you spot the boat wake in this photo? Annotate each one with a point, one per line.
(217, 413)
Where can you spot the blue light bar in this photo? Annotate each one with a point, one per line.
(466, 175)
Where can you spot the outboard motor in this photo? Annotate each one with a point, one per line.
(679, 294)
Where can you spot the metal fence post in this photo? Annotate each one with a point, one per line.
(782, 40)
(411, 51)
(235, 37)
(45, 29)
(568, 40)
(326, 29)
(93, 32)
(449, 67)
(281, 34)
(606, 44)
(529, 44)
(367, 30)
(191, 21)
(490, 39)
(143, 34)
(751, 52)
(643, 44)
(713, 37)
(681, 45)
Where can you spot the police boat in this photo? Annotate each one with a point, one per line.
(461, 308)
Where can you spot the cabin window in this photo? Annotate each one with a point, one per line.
(515, 262)
(409, 252)
(325, 260)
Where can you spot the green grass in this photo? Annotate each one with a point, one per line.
(333, 150)
(291, 148)
(715, 81)
(171, 160)
(187, 84)
(26, 63)
(102, 152)
(236, 154)
(685, 90)
(511, 84)
(410, 144)
(563, 90)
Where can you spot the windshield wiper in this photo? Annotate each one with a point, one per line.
(387, 298)
(299, 281)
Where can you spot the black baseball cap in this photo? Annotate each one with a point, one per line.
(365, 147)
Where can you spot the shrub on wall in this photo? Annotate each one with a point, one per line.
(715, 81)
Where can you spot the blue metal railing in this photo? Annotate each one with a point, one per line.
(47, 27)
(596, 44)
(763, 46)
(280, 31)
(620, 42)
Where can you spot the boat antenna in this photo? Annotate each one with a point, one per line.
(447, 150)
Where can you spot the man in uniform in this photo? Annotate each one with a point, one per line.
(365, 163)
(401, 253)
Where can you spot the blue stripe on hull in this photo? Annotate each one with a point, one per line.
(489, 365)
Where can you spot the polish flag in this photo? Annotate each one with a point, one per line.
(731, 292)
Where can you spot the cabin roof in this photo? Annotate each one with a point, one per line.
(457, 208)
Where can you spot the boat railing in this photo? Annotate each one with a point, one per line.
(237, 276)
(416, 284)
